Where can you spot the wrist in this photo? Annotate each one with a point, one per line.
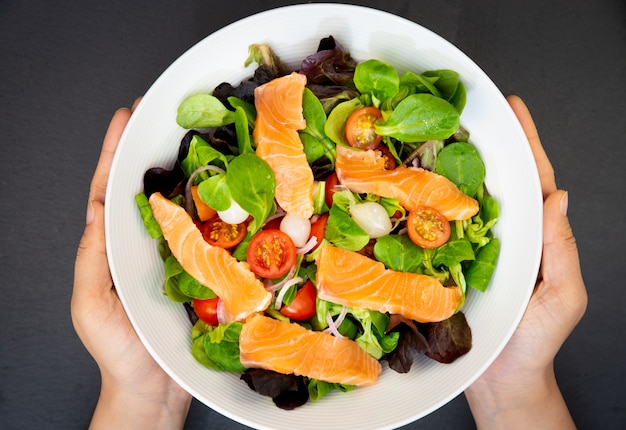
(530, 402)
(121, 408)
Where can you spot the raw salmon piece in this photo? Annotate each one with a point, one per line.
(240, 290)
(279, 117)
(288, 348)
(351, 279)
(364, 172)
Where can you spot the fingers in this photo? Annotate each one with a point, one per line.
(111, 139)
(544, 167)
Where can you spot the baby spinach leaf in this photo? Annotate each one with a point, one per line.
(252, 183)
(453, 252)
(190, 287)
(421, 117)
(215, 192)
(376, 78)
(461, 163)
(335, 127)
(244, 141)
(343, 231)
(316, 143)
(479, 273)
(203, 111)
(398, 252)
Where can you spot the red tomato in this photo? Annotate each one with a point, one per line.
(219, 233)
(206, 310)
(427, 227)
(390, 161)
(329, 188)
(271, 253)
(303, 305)
(318, 229)
(360, 128)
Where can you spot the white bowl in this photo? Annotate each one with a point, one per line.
(152, 137)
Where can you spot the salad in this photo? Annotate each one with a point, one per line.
(411, 120)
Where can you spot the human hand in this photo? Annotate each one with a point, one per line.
(519, 389)
(136, 392)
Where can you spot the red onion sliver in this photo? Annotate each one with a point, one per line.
(284, 289)
(332, 327)
(307, 246)
(271, 287)
(222, 315)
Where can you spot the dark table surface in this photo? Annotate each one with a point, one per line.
(66, 66)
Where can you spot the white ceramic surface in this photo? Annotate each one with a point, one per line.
(152, 138)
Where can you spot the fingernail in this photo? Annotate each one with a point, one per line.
(564, 203)
(90, 214)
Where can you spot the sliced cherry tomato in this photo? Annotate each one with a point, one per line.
(318, 229)
(303, 305)
(329, 188)
(271, 253)
(206, 310)
(427, 227)
(390, 161)
(360, 128)
(219, 233)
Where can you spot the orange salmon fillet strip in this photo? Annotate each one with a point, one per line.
(364, 172)
(288, 348)
(279, 117)
(240, 290)
(351, 279)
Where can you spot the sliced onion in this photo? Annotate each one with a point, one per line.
(271, 287)
(308, 246)
(284, 289)
(333, 327)
(222, 316)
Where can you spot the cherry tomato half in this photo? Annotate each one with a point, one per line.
(271, 253)
(329, 188)
(427, 227)
(390, 160)
(219, 233)
(303, 305)
(318, 229)
(206, 310)
(360, 128)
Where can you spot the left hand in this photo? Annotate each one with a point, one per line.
(135, 391)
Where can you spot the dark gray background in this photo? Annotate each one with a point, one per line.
(66, 66)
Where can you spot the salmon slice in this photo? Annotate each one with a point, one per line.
(242, 293)
(279, 117)
(364, 172)
(351, 279)
(288, 348)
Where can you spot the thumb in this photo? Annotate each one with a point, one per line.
(91, 271)
(560, 265)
